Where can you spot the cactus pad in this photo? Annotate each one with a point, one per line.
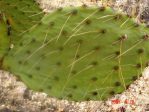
(77, 54)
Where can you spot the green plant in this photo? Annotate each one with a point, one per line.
(78, 54)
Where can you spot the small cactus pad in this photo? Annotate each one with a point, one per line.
(79, 54)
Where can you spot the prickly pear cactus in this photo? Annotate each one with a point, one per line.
(18, 16)
(76, 54)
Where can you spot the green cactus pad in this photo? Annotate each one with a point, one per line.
(21, 14)
(80, 54)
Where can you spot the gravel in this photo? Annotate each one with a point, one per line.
(51, 5)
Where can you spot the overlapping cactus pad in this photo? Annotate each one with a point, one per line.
(75, 54)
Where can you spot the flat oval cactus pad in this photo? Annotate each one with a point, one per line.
(78, 54)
